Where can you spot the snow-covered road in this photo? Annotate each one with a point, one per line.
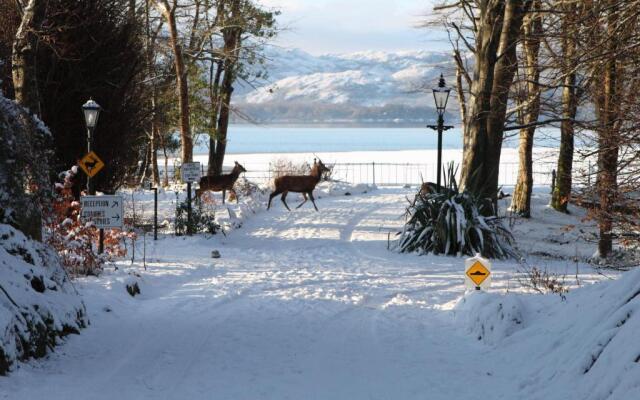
(302, 305)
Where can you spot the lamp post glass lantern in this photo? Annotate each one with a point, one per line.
(91, 111)
(441, 97)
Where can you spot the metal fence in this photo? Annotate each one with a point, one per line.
(391, 174)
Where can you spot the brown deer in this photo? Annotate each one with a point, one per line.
(299, 184)
(221, 183)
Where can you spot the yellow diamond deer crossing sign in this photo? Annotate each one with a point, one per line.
(477, 272)
(91, 164)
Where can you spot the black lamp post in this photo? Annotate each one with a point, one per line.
(441, 96)
(91, 111)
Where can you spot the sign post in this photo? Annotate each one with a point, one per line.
(91, 164)
(102, 211)
(155, 213)
(477, 273)
(189, 173)
(147, 185)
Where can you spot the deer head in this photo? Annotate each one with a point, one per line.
(239, 168)
(319, 168)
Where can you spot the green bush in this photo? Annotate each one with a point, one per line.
(449, 222)
(202, 219)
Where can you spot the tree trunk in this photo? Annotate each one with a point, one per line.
(495, 64)
(231, 32)
(462, 101)
(165, 181)
(144, 168)
(214, 96)
(181, 80)
(521, 202)
(562, 191)
(155, 172)
(223, 120)
(150, 44)
(23, 57)
(608, 140)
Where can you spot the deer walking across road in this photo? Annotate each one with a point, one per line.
(221, 183)
(299, 184)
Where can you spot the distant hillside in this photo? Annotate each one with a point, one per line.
(364, 87)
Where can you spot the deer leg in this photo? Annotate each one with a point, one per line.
(283, 198)
(224, 194)
(305, 200)
(232, 190)
(313, 201)
(271, 196)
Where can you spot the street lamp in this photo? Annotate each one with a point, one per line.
(441, 96)
(91, 111)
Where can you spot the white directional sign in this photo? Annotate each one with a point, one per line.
(103, 211)
(477, 272)
(190, 172)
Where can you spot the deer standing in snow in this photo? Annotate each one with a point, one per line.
(299, 184)
(221, 182)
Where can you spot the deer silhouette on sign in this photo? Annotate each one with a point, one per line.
(91, 164)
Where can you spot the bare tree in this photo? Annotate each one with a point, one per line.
(532, 32)
(23, 57)
(491, 31)
(168, 11)
(570, 97)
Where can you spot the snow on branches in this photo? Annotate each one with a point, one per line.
(77, 242)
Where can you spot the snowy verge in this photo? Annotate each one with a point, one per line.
(341, 188)
(38, 304)
(491, 317)
(583, 346)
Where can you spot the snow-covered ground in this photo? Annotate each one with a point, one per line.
(312, 305)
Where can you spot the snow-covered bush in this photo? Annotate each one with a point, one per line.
(284, 166)
(491, 317)
(203, 218)
(246, 188)
(25, 145)
(542, 280)
(38, 304)
(76, 242)
(450, 222)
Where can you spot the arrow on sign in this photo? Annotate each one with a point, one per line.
(115, 204)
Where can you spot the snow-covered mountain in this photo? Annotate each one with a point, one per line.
(355, 87)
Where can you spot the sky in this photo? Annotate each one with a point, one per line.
(343, 26)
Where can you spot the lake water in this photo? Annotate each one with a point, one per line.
(248, 139)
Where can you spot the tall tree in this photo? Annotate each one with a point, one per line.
(168, 11)
(570, 97)
(497, 27)
(232, 27)
(532, 33)
(245, 29)
(607, 111)
(24, 54)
